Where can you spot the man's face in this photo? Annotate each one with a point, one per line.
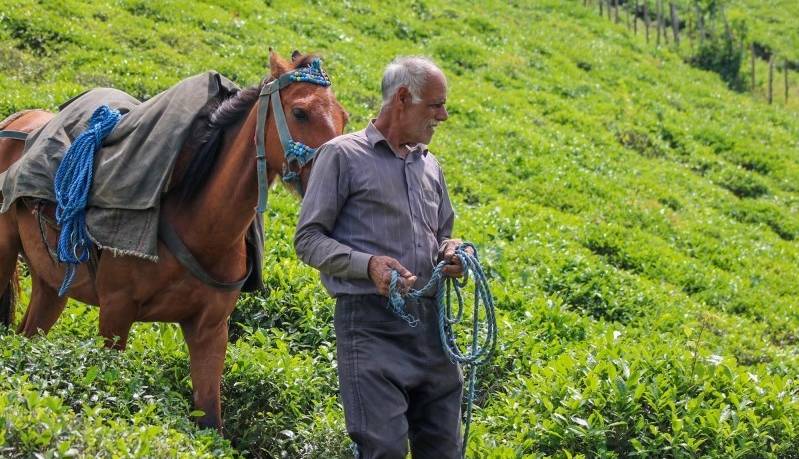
(422, 117)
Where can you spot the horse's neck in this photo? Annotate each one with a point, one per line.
(217, 220)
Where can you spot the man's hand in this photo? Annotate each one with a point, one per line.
(380, 268)
(446, 252)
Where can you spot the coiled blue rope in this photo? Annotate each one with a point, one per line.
(480, 351)
(73, 179)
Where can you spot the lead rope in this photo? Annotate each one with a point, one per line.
(480, 351)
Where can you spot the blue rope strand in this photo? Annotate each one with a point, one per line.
(73, 179)
(480, 352)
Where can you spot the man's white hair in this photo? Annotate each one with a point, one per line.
(410, 72)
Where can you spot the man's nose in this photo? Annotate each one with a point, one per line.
(442, 114)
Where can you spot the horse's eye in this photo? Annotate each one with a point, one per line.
(300, 114)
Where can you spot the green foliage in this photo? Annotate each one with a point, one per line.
(721, 44)
(723, 56)
(637, 220)
(771, 24)
(38, 424)
(65, 398)
(292, 303)
(654, 397)
(280, 403)
(741, 183)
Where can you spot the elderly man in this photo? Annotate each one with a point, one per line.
(377, 202)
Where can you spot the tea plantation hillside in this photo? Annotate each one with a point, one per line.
(638, 221)
(771, 23)
(753, 44)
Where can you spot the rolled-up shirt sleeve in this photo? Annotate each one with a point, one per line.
(328, 189)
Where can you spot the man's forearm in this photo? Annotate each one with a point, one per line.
(329, 256)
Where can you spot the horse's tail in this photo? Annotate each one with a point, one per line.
(8, 301)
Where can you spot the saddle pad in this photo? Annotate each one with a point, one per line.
(131, 170)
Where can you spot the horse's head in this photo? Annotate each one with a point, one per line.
(311, 112)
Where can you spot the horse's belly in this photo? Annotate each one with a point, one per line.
(41, 263)
(188, 299)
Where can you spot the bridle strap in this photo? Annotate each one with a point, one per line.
(270, 90)
(284, 135)
(260, 150)
(280, 121)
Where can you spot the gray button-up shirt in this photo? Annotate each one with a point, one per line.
(363, 200)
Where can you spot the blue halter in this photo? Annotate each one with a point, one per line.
(295, 152)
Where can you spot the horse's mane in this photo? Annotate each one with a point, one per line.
(207, 133)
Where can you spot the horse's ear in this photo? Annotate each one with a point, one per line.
(277, 65)
(295, 55)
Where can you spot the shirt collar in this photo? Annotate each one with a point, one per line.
(374, 136)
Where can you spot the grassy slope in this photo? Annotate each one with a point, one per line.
(637, 218)
(771, 23)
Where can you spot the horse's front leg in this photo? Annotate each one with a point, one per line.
(117, 314)
(117, 281)
(207, 345)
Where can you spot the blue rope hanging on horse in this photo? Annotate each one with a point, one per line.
(73, 179)
(480, 352)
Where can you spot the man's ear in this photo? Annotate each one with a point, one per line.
(403, 96)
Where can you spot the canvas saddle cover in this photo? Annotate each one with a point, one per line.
(131, 169)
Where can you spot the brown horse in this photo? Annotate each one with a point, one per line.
(212, 224)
